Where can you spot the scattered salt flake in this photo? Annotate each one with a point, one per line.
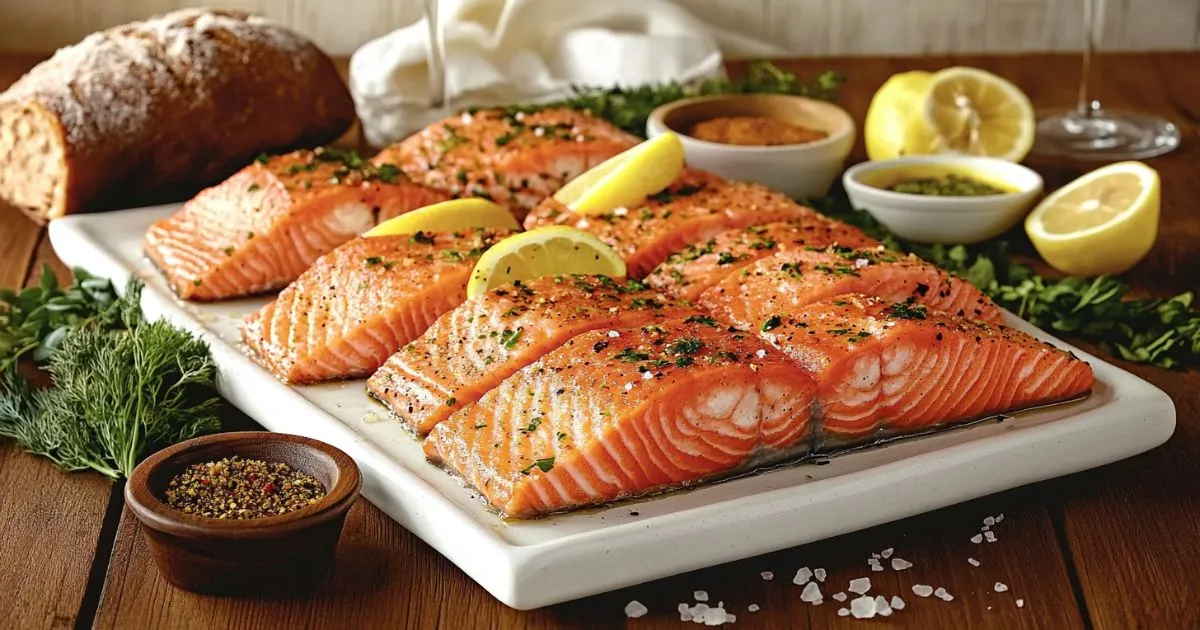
(700, 596)
(877, 567)
(840, 596)
(620, 212)
(752, 608)
(861, 262)
(635, 609)
(922, 590)
(647, 375)
(812, 593)
(802, 576)
(874, 556)
(974, 562)
(819, 574)
(628, 387)
(943, 595)
(1020, 603)
(887, 553)
(900, 564)
(897, 603)
(989, 521)
(466, 118)
(760, 353)
(863, 607)
(990, 536)
(1000, 587)
(881, 606)
(1000, 517)
(614, 334)
(977, 538)
(519, 116)
(843, 612)
(860, 585)
(767, 575)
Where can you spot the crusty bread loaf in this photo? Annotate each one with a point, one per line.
(174, 103)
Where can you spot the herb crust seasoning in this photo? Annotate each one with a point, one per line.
(689, 272)
(510, 156)
(471, 349)
(696, 207)
(624, 412)
(234, 488)
(360, 303)
(788, 281)
(949, 186)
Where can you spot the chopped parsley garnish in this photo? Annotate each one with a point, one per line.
(683, 361)
(725, 258)
(792, 269)
(685, 345)
(451, 140)
(702, 319)
(646, 303)
(451, 401)
(421, 237)
(252, 188)
(533, 425)
(765, 243)
(629, 355)
(388, 173)
(668, 195)
(772, 323)
(545, 464)
(509, 338)
(262, 158)
(907, 310)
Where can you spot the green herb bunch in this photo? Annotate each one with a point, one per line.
(629, 107)
(121, 389)
(1159, 332)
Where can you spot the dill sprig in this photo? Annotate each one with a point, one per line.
(121, 388)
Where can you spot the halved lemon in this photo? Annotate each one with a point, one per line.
(545, 251)
(1104, 222)
(955, 110)
(626, 178)
(448, 216)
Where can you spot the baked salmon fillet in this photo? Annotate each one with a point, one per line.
(363, 301)
(787, 281)
(606, 417)
(689, 272)
(512, 157)
(261, 228)
(696, 207)
(900, 367)
(474, 347)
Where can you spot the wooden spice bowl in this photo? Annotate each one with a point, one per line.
(273, 554)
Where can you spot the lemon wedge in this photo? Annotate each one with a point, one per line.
(626, 178)
(1104, 222)
(956, 110)
(448, 216)
(545, 251)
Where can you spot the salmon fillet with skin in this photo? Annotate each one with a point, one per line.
(474, 347)
(902, 367)
(696, 207)
(584, 425)
(361, 302)
(261, 228)
(788, 281)
(689, 272)
(513, 158)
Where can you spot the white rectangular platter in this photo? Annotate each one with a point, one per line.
(542, 562)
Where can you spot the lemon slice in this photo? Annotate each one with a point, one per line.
(1105, 222)
(955, 110)
(545, 251)
(975, 112)
(448, 216)
(626, 178)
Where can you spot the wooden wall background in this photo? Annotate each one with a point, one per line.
(803, 27)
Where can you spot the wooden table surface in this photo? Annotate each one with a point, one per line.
(1114, 547)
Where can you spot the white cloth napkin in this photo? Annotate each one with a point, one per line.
(512, 51)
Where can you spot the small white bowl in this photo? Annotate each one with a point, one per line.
(801, 171)
(937, 219)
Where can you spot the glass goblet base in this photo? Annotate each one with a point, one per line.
(1102, 134)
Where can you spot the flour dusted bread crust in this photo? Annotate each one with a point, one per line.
(174, 103)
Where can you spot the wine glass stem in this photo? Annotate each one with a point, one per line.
(436, 56)
(1093, 22)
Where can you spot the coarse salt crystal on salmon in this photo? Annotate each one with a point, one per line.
(696, 207)
(514, 158)
(263, 226)
(474, 347)
(360, 303)
(687, 273)
(893, 366)
(581, 426)
(786, 281)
